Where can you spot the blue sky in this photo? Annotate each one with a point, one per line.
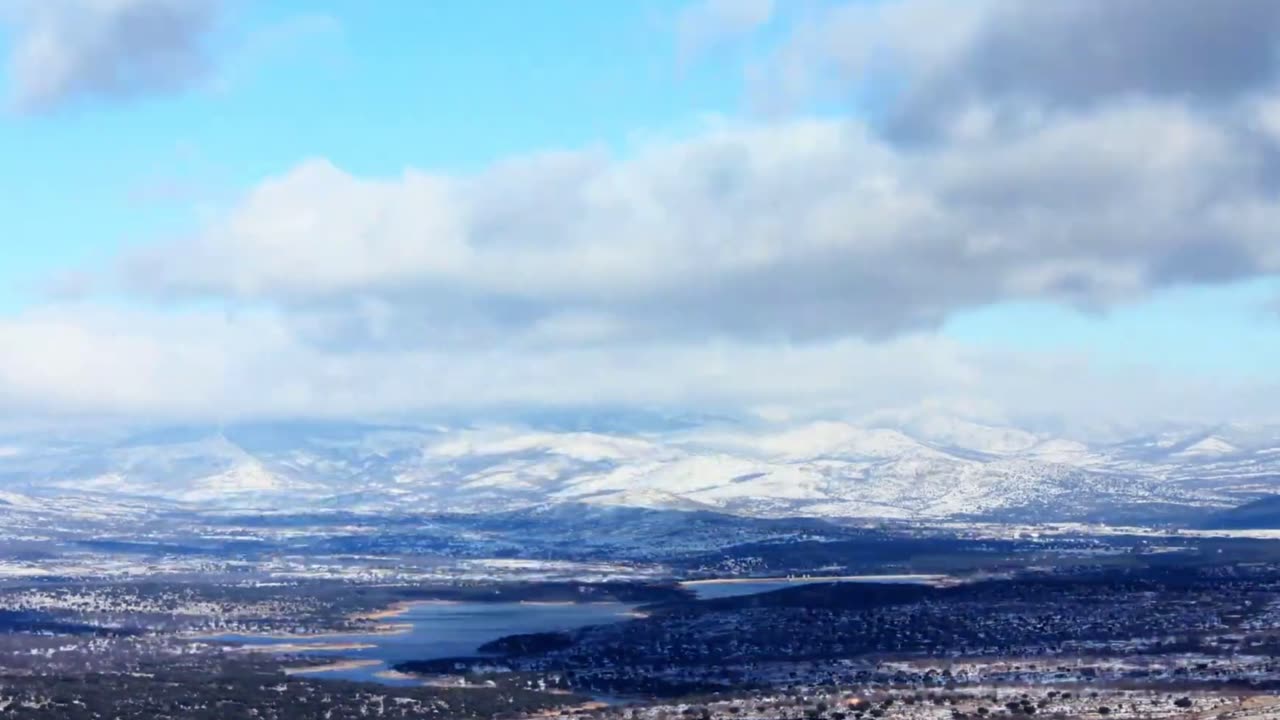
(1202, 330)
(456, 88)
(373, 91)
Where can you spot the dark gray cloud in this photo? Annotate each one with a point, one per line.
(1079, 51)
(70, 50)
(1075, 54)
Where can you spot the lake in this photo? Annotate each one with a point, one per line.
(732, 587)
(441, 630)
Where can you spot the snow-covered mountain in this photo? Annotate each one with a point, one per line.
(921, 468)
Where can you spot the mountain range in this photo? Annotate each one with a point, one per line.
(925, 469)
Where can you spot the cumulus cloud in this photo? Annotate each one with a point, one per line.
(69, 50)
(799, 230)
(1075, 154)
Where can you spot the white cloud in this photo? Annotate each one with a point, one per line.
(800, 230)
(89, 361)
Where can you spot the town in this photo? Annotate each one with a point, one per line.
(1120, 630)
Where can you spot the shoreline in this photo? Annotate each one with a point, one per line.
(392, 674)
(303, 647)
(588, 706)
(230, 635)
(887, 579)
(398, 608)
(331, 667)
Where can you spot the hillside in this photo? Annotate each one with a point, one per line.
(936, 469)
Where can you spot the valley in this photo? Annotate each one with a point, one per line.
(825, 571)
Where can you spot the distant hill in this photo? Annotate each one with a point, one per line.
(1260, 514)
(918, 468)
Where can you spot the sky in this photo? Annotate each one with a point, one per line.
(1061, 211)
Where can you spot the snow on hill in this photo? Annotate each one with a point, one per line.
(588, 447)
(966, 435)
(1207, 447)
(19, 510)
(1064, 452)
(927, 468)
(830, 439)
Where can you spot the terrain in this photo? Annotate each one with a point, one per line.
(938, 568)
(1071, 626)
(918, 469)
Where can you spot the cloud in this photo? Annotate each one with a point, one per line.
(1080, 51)
(941, 60)
(798, 264)
(797, 230)
(1084, 52)
(66, 51)
(90, 361)
(705, 24)
(1064, 150)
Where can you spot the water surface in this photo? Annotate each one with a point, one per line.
(442, 630)
(732, 587)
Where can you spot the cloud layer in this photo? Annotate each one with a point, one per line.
(90, 361)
